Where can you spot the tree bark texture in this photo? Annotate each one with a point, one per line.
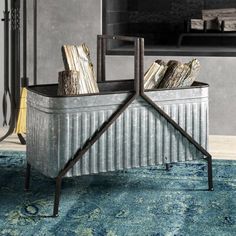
(68, 83)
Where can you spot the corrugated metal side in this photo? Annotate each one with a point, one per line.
(140, 137)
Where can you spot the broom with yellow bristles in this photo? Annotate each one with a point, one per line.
(21, 121)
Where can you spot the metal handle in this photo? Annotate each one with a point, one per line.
(138, 58)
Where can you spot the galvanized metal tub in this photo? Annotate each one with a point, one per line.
(58, 126)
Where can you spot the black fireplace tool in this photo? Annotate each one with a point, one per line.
(7, 92)
(13, 92)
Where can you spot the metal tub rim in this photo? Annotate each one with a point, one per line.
(45, 100)
(33, 88)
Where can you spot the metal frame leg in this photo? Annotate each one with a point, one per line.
(167, 167)
(186, 135)
(210, 179)
(80, 153)
(27, 177)
(57, 196)
(22, 139)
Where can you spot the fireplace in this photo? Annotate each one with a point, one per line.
(163, 24)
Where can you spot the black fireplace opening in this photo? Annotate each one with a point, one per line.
(164, 24)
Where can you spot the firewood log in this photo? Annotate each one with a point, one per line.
(229, 24)
(77, 58)
(69, 83)
(192, 74)
(149, 76)
(228, 17)
(198, 24)
(211, 14)
(180, 75)
(160, 73)
(154, 74)
(172, 74)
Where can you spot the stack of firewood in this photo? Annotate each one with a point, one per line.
(78, 76)
(212, 20)
(173, 74)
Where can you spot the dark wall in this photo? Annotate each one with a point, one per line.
(116, 18)
(159, 22)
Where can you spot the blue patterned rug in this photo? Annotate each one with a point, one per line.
(145, 202)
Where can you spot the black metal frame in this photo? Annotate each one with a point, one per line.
(138, 92)
(15, 83)
(101, 72)
(7, 91)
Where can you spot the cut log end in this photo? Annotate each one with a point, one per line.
(68, 83)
